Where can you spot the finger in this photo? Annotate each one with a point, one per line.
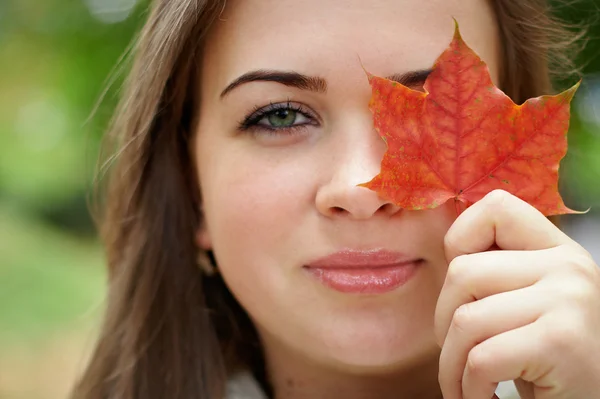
(475, 322)
(507, 356)
(476, 276)
(503, 219)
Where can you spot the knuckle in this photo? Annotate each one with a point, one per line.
(582, 263)
(449, 239)
(560, 336)
(457, 271)
(581, 279)
(478, 361)
(578, 292)
(462, 318)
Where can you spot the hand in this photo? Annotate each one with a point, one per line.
(529, 312)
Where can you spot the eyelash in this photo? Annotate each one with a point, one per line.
(250, 122)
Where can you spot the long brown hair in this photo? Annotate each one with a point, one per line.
(169, 331)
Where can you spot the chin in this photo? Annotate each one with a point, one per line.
(377, 348)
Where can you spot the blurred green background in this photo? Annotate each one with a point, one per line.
(55, 58)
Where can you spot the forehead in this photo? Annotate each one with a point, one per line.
(328, 37)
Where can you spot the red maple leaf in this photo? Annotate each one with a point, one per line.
(463, 137)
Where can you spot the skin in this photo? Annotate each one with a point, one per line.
(275, 201)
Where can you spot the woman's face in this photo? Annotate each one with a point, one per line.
(279, 163)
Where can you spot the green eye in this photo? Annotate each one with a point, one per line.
(282, 117)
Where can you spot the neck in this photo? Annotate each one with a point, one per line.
(292, 377)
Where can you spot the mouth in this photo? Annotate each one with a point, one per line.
(364, 272)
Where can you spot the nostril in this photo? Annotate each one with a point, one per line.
(336, 210)
(387, 209)
(341, 199)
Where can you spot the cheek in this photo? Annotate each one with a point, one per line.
(255, 206)
(253, 202)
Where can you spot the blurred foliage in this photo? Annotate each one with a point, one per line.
(55, 59)
(580, 173)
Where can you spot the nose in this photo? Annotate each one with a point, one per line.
(357, 162)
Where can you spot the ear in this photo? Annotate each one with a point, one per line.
(203, 237)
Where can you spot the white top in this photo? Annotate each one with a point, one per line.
(242, 385)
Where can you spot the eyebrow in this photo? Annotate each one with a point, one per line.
(314, 83)
(410, 78)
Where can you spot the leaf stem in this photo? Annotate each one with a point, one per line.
(457, 206)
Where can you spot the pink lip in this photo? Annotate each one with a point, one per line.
(365, 272)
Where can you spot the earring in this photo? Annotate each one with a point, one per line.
(204, 263)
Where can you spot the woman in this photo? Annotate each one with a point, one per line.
(242, 135)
